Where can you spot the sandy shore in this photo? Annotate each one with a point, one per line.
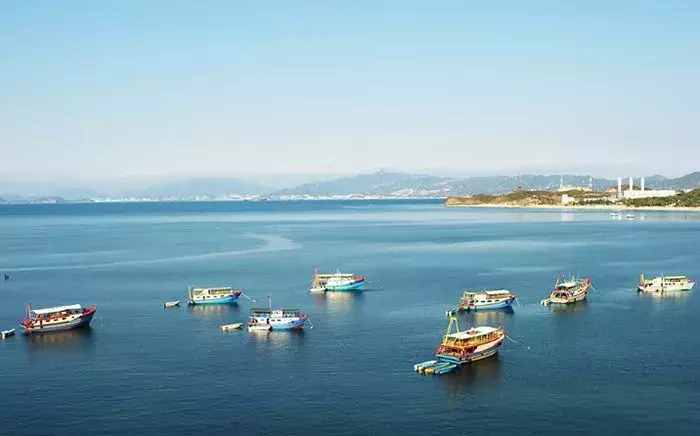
(609, 207)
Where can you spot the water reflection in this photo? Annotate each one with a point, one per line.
(277, 338)
(67, 340)
(214, 310)
(338, 301)
(487, 317)
(680, 296)
(579, 306)
(480, 373)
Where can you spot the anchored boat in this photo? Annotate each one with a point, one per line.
(459, 347)
(59, 318)
(665, 284)
(485, 300)
(224, 295)
(569, 291)
(276, 319)
(336, 282)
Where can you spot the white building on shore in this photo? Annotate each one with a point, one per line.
(631, 194)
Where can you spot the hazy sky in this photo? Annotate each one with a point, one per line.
(108, 89)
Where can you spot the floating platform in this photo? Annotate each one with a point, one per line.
(434, 367)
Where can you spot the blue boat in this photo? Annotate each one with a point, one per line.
(486, 300)
(337, 282)
(276, 319)
(225, 295)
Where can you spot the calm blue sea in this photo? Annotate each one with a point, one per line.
(619, 362)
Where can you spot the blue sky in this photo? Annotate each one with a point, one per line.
(93, 89)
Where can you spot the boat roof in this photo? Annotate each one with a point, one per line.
(472, 332)
(498, 291)
(56, 309)
(268, 310)
(676, 277)
(569, 284)
(216, 288)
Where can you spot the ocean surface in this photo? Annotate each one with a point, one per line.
(618, 363)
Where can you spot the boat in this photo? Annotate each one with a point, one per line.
(58, 318)
(229, 327)
(485, 300)
(460, 347)
(336, 282)
(664, 284)
(276, 319)
(169, 304)
(4, 334)
(569, 291)
(221, 295)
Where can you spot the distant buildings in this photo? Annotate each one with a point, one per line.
(631, 194)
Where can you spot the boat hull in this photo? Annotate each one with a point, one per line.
(504, 304)
(223, 300)
(671, 288)
(356, 286)
(288, 325)
(81, 322)
(481, 352)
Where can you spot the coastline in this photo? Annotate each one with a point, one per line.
(599, 207)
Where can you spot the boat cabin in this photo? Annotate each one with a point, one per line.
(211, 293)
(60, 313)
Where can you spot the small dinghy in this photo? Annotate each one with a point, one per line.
(170, 304)
(230, 327)
(7, 333)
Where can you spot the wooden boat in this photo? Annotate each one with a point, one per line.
(460, 347)
(665, 284)
(59, 318)
(485, 300)
(221, 295)
(169, 304)
(4, 334)
(569, 291)
(230, 327)
(336, 282)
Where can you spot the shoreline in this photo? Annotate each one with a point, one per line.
(599, 207)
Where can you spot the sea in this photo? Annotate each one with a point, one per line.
(617, 363)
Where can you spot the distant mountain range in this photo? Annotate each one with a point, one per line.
(411, 185)
(381, 183)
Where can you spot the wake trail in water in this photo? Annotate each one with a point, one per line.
(271, 243)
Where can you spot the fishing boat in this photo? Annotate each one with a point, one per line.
(222, 295)
(459, 347)
(485, 300)
(569, 291)
(171, 304)
(4, 334)
(336, 282)
(665, 284)
(57, 318)
(276, 319)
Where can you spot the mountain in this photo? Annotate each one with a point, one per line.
(197, 187)
(412, 185)
(379, 183)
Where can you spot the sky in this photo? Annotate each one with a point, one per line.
(257, 89)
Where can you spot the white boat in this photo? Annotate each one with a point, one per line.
(495, 299)
(7, 333)
(230, 327)
(665, 284)
(169, 304)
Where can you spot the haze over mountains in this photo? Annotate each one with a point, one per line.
(377, 184)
